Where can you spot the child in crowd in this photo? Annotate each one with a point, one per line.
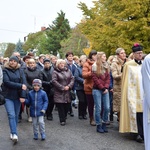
(38, 101)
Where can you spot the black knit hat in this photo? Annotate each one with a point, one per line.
(137, 47)
(15, 58)
(46, 60)
(93, 52)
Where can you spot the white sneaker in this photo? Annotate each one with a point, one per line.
(11, 136)
(15, 138)
(30, 119)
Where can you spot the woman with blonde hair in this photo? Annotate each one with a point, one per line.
(101, 79)
(31, 73)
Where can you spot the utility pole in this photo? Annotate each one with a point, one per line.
(34, 22)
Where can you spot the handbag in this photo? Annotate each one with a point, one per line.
(72, 95)
(2, 99)
(3, 90)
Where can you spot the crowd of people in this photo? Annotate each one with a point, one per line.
(102, 86)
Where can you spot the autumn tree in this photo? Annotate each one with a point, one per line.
(10, 49)
(117, 23)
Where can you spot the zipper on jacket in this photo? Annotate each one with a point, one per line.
(35, 102)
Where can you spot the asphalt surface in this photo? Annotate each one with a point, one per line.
(75, 135)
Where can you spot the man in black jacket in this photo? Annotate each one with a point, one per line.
(46, 77)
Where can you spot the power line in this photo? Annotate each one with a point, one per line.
(13, 31)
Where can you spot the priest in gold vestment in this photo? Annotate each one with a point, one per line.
(131, 111)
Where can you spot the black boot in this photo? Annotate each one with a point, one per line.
(50, 117)
(104, 127)
(139, 139)
(99, 129)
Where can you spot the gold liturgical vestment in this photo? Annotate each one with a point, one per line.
(131, 97)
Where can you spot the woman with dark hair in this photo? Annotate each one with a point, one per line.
(70, 64)
(88, 83)
(15, 87)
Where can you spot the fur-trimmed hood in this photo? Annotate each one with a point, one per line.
(118, 60)
(7, 66)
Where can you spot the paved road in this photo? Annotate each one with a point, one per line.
(76, 135)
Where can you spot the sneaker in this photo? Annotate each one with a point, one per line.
(11, 136)
(62, 123)
(43, 136)
(15, 138)
(30, 119)
(35, 136)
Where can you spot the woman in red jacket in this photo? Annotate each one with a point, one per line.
(88, 83)
(101, 79)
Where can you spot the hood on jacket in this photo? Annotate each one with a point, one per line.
(117, 60)
(91, 62)
(8, 66)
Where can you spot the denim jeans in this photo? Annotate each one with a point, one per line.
(101, 101)
(13, 107)
(38, 122)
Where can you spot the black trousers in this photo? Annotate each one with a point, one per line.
(50, 106)
(82, 107)
(62, 111)
(139, 118)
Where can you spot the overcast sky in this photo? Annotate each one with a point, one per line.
(20, 17)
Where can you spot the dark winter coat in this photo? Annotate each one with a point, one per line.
(72, 68)
(60, 79)
(79, 79)
(30, 75)
(46, 77)
(37, 101)
(39, 66)
(13, 80)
